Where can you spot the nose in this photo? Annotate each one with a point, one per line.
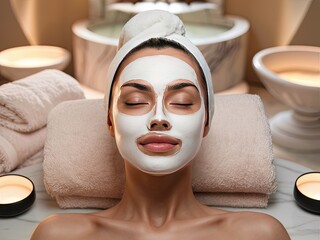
(159, 125)
(159, 120)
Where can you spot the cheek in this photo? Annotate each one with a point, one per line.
(129, 126)
(191, 126)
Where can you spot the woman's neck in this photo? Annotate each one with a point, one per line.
(157, 200)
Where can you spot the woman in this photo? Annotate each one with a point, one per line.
(159, 108)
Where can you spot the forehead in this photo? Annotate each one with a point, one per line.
(158, 70)
(169, 51)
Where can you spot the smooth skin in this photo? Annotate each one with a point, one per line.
(160, 207)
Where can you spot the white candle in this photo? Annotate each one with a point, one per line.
(309, 185)
(310, 189)
(14, 188)
(306, 78)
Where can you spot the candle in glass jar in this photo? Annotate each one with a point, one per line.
(306, 78)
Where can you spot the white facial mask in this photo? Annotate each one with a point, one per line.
(159, 71)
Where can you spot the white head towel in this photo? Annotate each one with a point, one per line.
(156, 24)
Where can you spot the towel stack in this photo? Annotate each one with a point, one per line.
(24, 108)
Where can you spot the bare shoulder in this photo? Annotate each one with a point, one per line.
(61, 226)
(259, 226)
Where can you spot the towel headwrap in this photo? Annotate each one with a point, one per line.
(157, 24)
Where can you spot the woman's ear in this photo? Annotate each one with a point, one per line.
(206, 130)
(110, 125)
(206, 126)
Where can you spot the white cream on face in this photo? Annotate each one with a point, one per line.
(159, 71)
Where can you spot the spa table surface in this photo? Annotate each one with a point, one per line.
(299, 223)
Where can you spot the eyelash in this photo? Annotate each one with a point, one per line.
(182, 104)
(135, 104)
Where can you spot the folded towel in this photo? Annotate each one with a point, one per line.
(25, 103)
(245, 200)
(82, 166)
(16, 148)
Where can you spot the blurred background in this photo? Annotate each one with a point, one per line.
(272, 23)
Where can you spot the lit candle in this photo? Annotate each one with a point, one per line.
(306, 78)
(311, 189)
(14, 188)
(309, 185)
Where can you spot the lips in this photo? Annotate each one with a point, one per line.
(158, 144)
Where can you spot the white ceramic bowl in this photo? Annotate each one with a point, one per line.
(292, 75)
(270, 62)
(19, 62)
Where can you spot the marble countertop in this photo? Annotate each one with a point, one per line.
(299, 223)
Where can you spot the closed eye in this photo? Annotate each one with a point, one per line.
(136, 103)
(182, 104)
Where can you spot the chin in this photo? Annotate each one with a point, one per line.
(161, 169)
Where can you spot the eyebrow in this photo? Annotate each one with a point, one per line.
(139, 86)
(181, 85)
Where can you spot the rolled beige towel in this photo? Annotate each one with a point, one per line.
(26, 103)
(82, 166)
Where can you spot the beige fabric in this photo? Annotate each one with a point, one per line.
(246, 200)
(16, 148)
(25, 103)
(24, 108)
(82, 166)
(34, 159)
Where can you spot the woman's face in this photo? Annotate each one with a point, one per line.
(157, 113)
